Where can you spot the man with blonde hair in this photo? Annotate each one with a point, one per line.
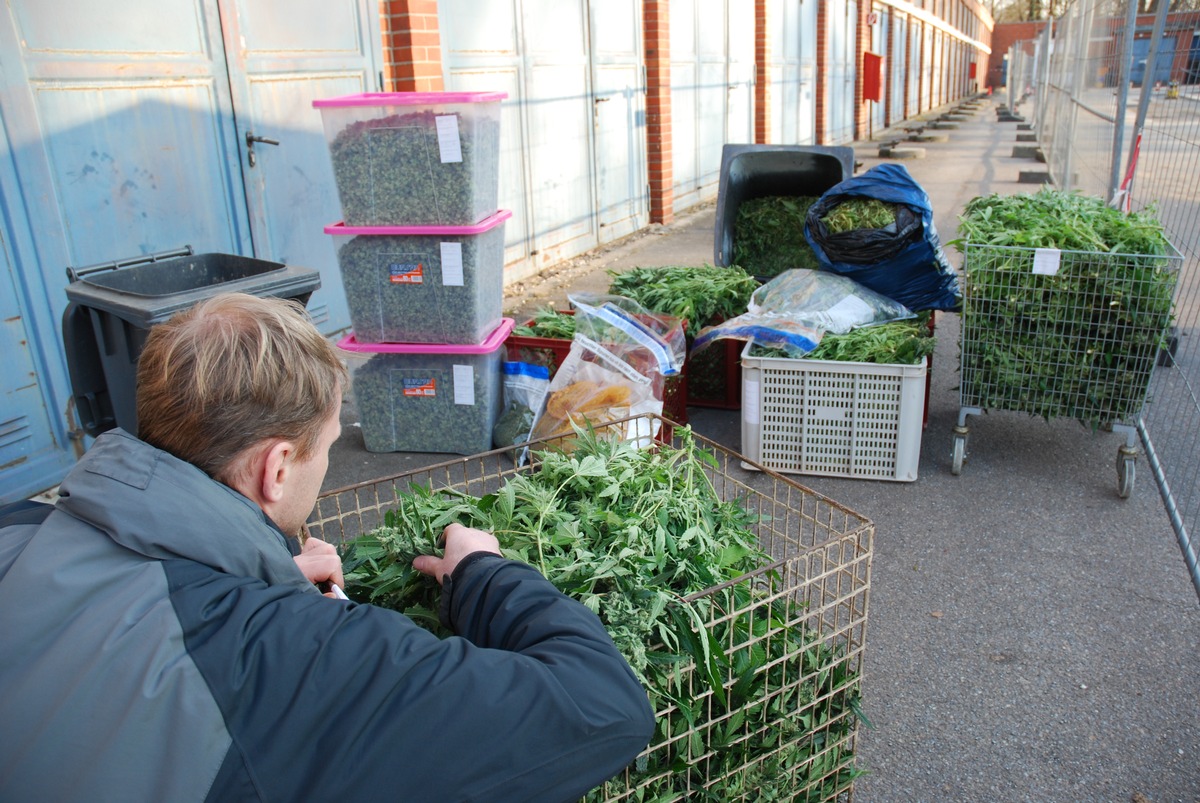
(165, 637)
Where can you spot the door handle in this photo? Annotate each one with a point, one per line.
(252, 138)
(596, 108)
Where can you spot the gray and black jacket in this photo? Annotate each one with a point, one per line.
(159, 643)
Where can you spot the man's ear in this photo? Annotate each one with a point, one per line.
(273, 469)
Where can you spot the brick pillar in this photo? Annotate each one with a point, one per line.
(862, 107)
(821, 91)
(412, 44)
(762, 77)
(657, 22)
(889, 64)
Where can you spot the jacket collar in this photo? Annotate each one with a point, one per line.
(157, 505)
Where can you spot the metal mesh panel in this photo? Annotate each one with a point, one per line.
(799, 734)
(1081, 343)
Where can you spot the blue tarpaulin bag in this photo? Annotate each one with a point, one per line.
(903, 261)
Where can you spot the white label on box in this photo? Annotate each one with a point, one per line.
(452, 266)
(449, 144)
(750, 402)
(1046, 261)
(464, 385)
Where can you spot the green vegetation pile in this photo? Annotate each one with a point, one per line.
(906, 342)
(1081, 343)
(548, 322)
(641, 538)
(699, 295)
(856, 213)
(768, 235)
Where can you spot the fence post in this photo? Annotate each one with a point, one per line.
(1160, 23)
(1114, 175)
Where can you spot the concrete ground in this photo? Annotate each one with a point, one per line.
(1031, 636)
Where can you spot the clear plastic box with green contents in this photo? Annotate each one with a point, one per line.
(427, 397)
(423, 284)
(414, 158)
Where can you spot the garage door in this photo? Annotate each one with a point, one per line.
(126, 125)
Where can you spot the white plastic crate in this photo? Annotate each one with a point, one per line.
(838, 419)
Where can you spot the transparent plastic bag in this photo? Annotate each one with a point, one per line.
(619, 358)
(524, 390)
(794, 310)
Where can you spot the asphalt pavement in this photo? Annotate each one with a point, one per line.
(1031, 636)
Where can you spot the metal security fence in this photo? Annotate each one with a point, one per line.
(1114, 98)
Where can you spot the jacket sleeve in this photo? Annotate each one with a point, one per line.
(332, 700)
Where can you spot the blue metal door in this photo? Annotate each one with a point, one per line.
(281, 54)
(125, 130)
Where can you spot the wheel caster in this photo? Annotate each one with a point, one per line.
(1126, 473)
(959, 454)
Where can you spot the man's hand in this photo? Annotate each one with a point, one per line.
(320, 563)
(460, 542)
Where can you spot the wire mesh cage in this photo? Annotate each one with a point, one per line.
(1061, 334)
(777, 704)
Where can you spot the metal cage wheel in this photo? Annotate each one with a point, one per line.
(959, 454)
(1126, 473)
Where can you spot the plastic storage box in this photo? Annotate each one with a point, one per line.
(759, 171)
(114, 304)
(423, 284)
(419, 397)
(414, 158)
(838, 419)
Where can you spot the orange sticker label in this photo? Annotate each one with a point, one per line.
(420, 387)
(406, 273)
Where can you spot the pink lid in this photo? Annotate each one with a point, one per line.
(492, 342)
(479, 228)
(408, 99)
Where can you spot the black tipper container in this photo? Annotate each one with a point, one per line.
(758, 171)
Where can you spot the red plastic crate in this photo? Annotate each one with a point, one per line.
(715, 376)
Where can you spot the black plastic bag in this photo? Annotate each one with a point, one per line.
(903, 261)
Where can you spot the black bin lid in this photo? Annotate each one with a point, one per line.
(148, 292)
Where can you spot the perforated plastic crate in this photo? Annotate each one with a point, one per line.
(839, 419)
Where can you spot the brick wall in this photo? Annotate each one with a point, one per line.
(762, 87)
(657, 40)
(1004, 35)
(821, 112)
(412, 46)
(862, 108)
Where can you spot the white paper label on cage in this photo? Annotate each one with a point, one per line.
(452, 265)
(464, 384)
(1046, 261)
(750, 402)
(449, 144)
